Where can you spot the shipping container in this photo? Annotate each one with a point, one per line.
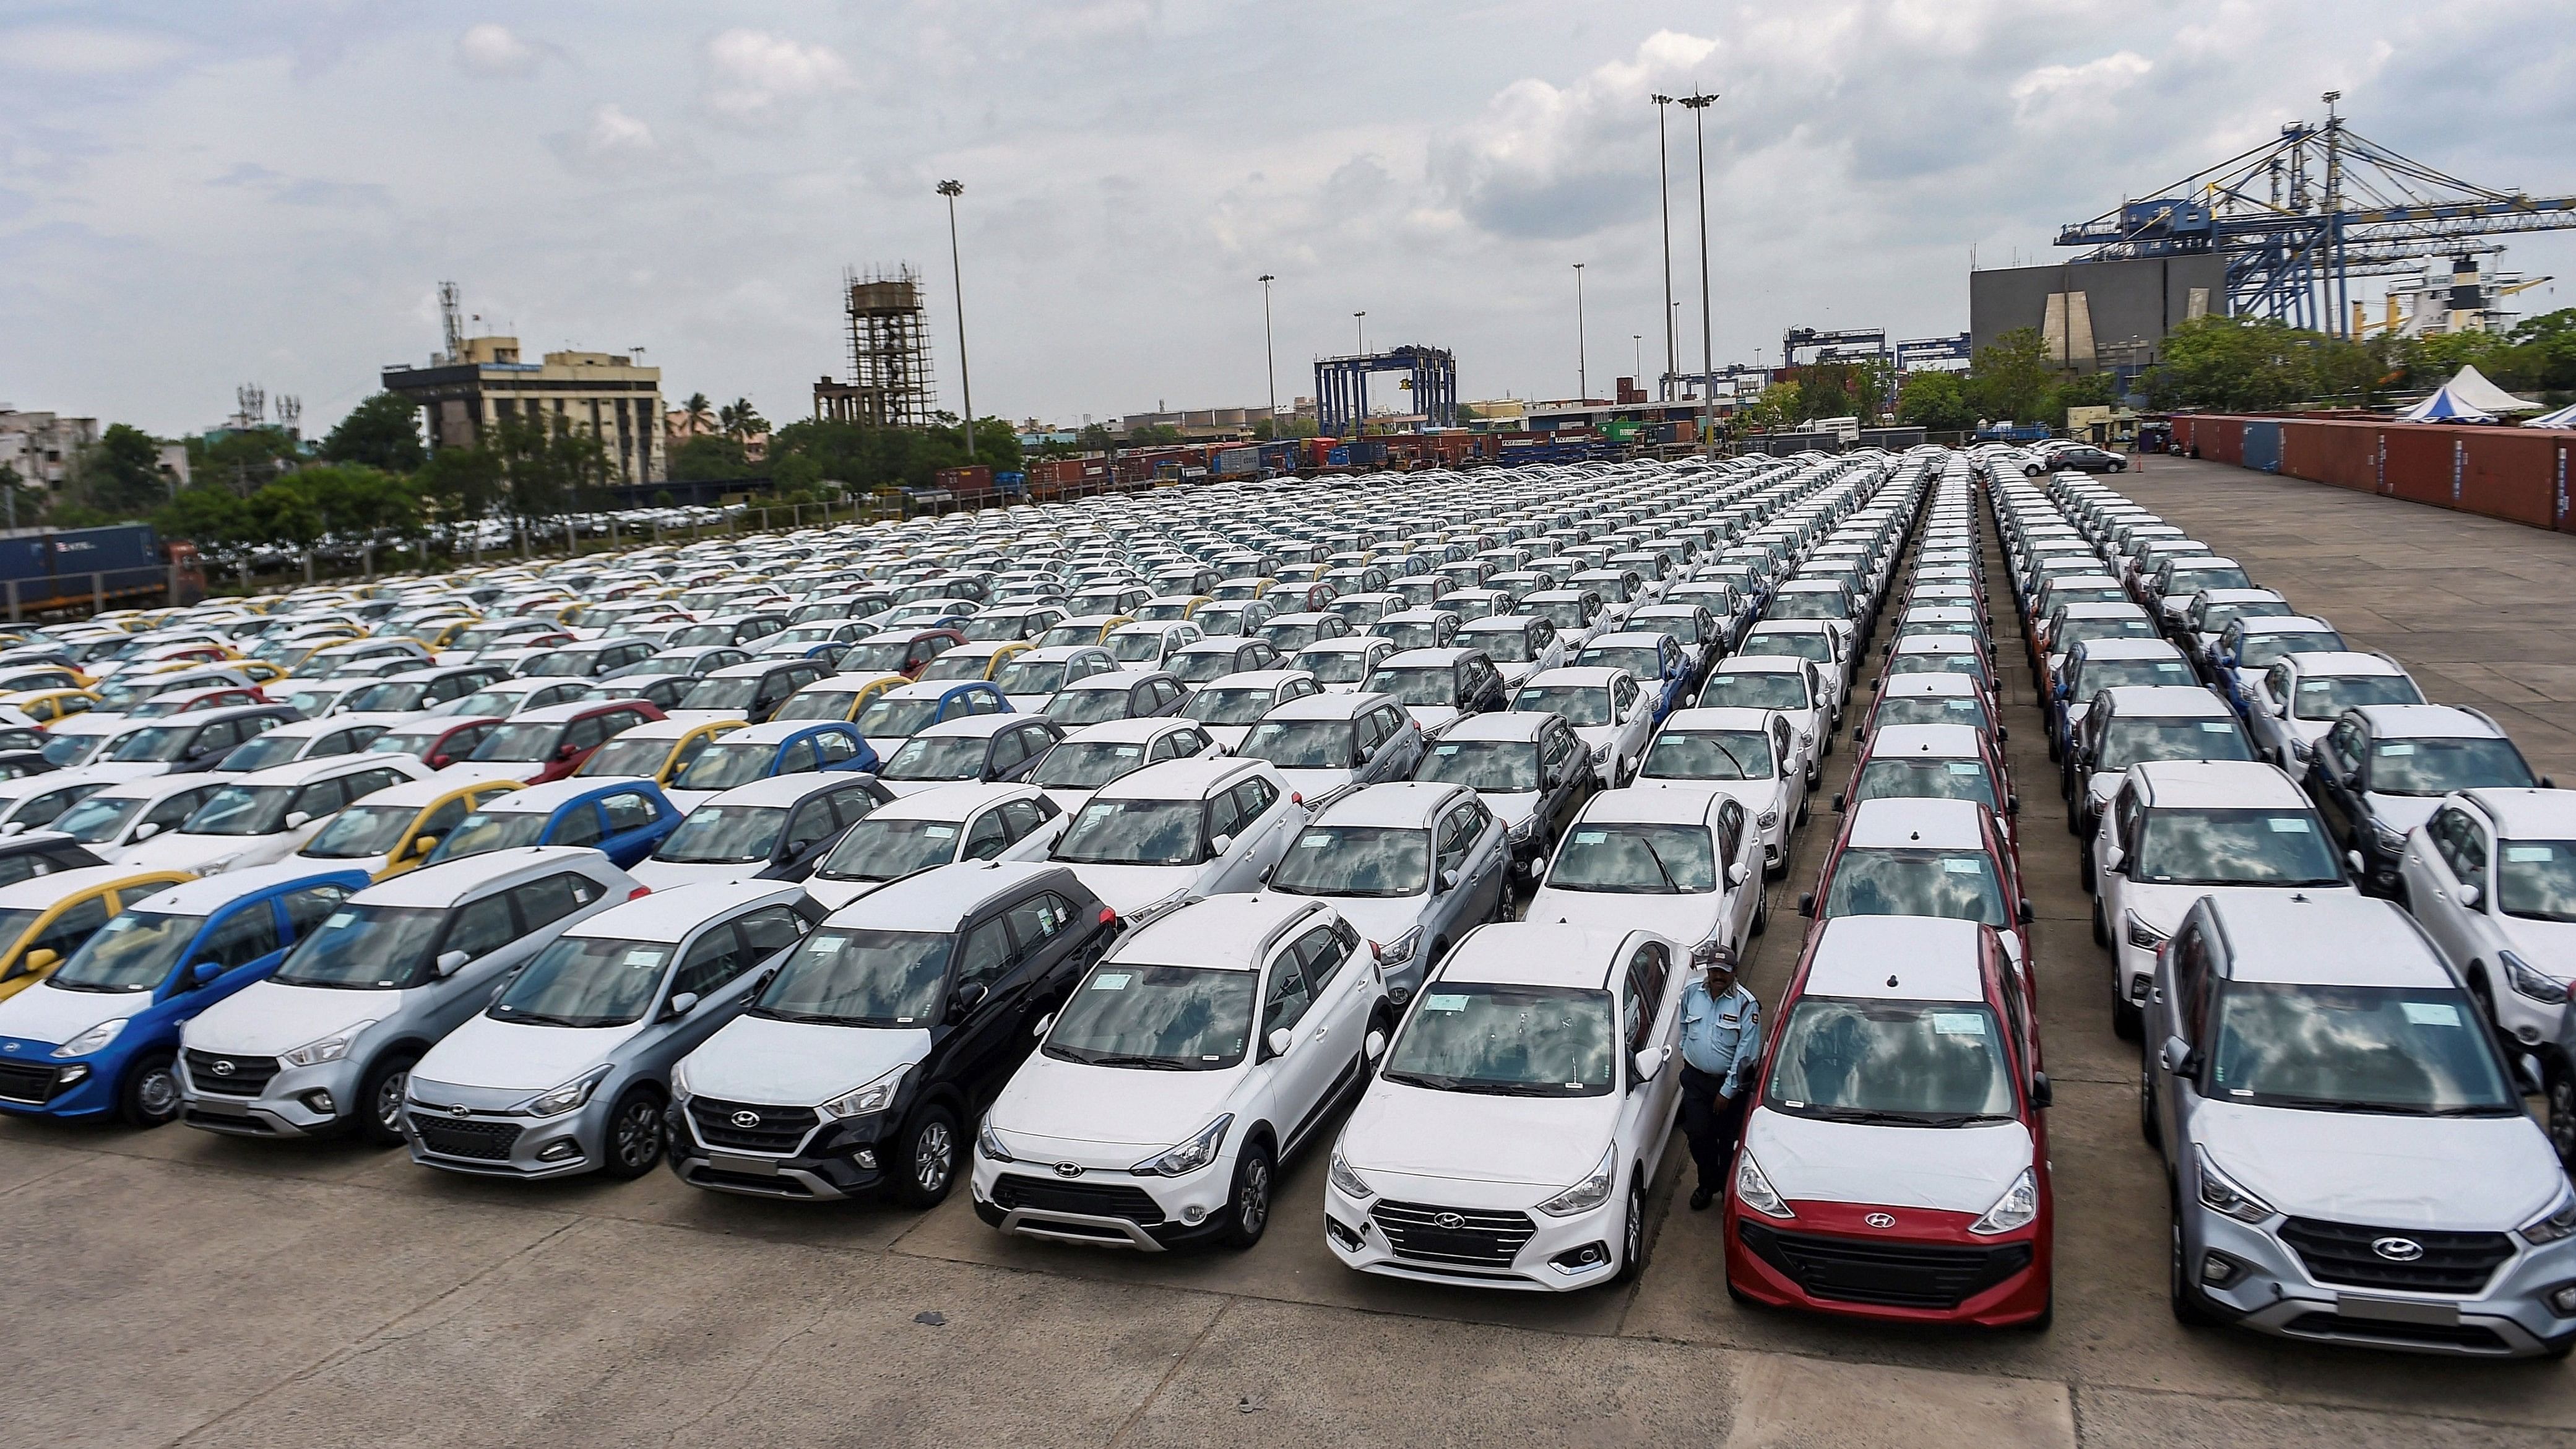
(2261, 447)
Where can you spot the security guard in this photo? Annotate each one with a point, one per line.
(1721, 1045)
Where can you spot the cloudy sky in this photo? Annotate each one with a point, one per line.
(193, 196)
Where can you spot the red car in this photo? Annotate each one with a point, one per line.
(1895, 1159)
(538, 745)
(438, 741)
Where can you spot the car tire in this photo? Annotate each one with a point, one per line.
(631, 1141)
(1247, 1206)
(1805, 802)
(2047, 1313)
(2484, 995)
(925, 1161)
(150, 1096)
(1761, 914)
(1740, 1298)
(380, 1098)
(2558, 1083)
(2148, 1126)
(2102, 938)
(2189, 1307)
(1632, 1236)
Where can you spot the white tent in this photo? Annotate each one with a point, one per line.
(2563, 418)
(2467, 397)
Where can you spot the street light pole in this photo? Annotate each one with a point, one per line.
(1637, 346)
(1582, 359)
(965, 380)
(1360, 320)
(1664, 198)
(1269, 353)
(1698, 104)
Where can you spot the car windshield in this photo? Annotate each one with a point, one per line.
(1968, 665)
(365, 947)
(1925, 779)
(2405, 1050)
(944, 758)
(723, 835)
(561, 664)
(1503, 646)
(242, 810)
(1709, 755)
(1809, 604)
(1026, 676)
(2329, 696)
(1303, 744)
(2234, 847)
(894, 719)
(404, 742)
(1086, 764)
(2216, 618)
(733, 691)
(1642, 660)
(1921, 709)
(2262, 649)
(158, 744)
(1159, 1018)
(1238, 706)
(957, 664)
(2095, 675)
(844, 976)
(1795, 646)
(2136, 741)
(993, 628)
(1411, 634)
(501, 702)
(585, 981)
(258, 754)
(1958, 885)
(134, 952)
(99, 818)
(361, 831)
(1754, 691)
(1506, 1041)
(876, 656)
(723, 765)
(879, 848)
(487, 830)
(1422, 684)
(1136, 648)
(1079, 707)
(1135, 832)
(2535, 879)
(695, 634)
(1633, 859)
(2193, 580)
(65, 751)
(523, 743)
(1289, 638)
(1894, 1063)
(628, 757)
(1064, 634)
(810, 704)
(1356, 860)
(1507, 767)
(1577, 704)
(2076, 631)
(390, 697)
(2440, 766)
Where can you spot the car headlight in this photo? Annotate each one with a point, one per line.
(2140, 933)
(989, 1142)
(1768, 818)
(2547, 990)
(2015, 1209)
(1755, 1189)
(1591, 1192)
(92, 1039)
(2220, 1193)
(2556, 1221)
(1190, 1156)
(680, 1082)
(1399, 950)
(2301, 750)
(1527, 828)
(876, 1096)
(1601, 756)
(566, 1097)
(2388, 839)
(329, 1049)
(1351, 1183)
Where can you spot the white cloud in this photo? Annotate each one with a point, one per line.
(494, 50)
(756, 79)
(1545, 160)
(2057, 95)
(73, 50)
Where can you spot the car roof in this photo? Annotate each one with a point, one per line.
(1906, 958)
(427, 790)
(2343, 662)
(938, 898)
(2284, 624)
(2219, 784)
(210, 893)
(444, 884)
(1227, 932)
(1135, 729)
(952, 802)
(1519, 726)
(1537, 953)
(2324, 938)
(153, 787)
(1928, 686)
(1902, 822)
(1119, 679)
(1578, 676)
(974, 726)
(2528, 813)
(1402, 803)
(296, 772)
(784, 789)
(671, 913)
(1184, 779)
(2166, 701)
(1427, 658)
(2425, 721)
(779, 731)
(1933, 741)
(1692, 804)
(43, 892)
(1349, 643)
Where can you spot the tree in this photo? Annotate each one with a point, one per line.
(1095, 438)
(206, 514)
(709, 456)
(2009, 378)
(2239, 363)
(697, 414)
(1779, 406)
(1153, 435)
(1936, 402)
(741, 421)
(460, 482)
(381, 432)
(19, 503)
(121, 473)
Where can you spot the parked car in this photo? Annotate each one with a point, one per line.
(2488, 876)
(762, 751)
(394, 829)
(656, 750)
(539, 745)
(268, 815)
(1748, 755)
(1321, 742)
(186, 744)
(1412, 866)
(1180, 829)
(119, 816)
(952, 823)
(986, 748)
(624, 820)
(1676, 860)
(47, 915)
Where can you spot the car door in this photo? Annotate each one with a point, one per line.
(716, 968)
(1045, 942)
(1651, 1009)
(2330, 780)
(1299, 1076)
(982, 1041)
(636, 824)
(245, 942)
(2177, 1008)
(811, 828)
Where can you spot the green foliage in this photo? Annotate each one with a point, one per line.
(741, 420)
(2010, 378)
(347, 500)
(1096, 438)
(381, 432)
(710, 456)
(1153, 435)
(2251, 364)
(1936, 401)
(121, 473)
(460, 482)
(242, 460)
(1781, 405)
(866, 459)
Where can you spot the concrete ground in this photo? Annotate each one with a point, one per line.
(174, 1286)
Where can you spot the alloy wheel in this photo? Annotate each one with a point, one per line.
(389, 1098)
(639, 1134)
(934, 1157)
(1256, 1195)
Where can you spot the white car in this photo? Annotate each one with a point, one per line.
(1675, 859)
(1749, 755)
(267, 815)
(2491, 877)
(936, 827)
(1185, 828)
(2177, 830)
(774, 829)
(1339, 665)
(2300, 696)
(1515, 1121)
(305, 739)
(1094, 755)
(1181, 1072)
(130, 812)
(1611, 713)
(1229, 706)
(1794, 687)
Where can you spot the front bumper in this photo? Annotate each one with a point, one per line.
(39, 1085)
(1522, 1250)
(1828, 1260)
(831, 1162)
(289, 1104)
(2269, 1288)
(1104, 1207)
(503, 1144)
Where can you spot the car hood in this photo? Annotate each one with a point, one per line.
(2162, 907)
(2543, 945)
(1066, 800)
(1379, 918)
(53, 1016)
(1546, 1143)
(900, 788)
(1128, 889)
(703, 716)
(118, 772)
(1688, 919)
(2440, 1173)
(1512, 808)
(1068, 1103)
(797, 1063)
(467, 772)
(2402, 813)
(267, 1017)
(834, 894)
(1951, 1170)
(516, 1056)
(661, 875)
(181, 851)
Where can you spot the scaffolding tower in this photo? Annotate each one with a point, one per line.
(889, 354)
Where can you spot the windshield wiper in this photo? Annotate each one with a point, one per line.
(1151, 1064)
(1503, 1089)
(1417, 1079)
(1670, 884)
(1893, 1119)
(534, 1018)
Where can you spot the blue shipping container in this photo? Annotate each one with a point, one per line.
(2263, 446)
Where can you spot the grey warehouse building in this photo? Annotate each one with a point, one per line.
(2096, 315)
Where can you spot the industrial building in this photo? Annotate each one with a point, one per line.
(43, 448)
(479, 383)
(2098, 316)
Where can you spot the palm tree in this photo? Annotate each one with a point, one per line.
(741, 420)
(697, 415)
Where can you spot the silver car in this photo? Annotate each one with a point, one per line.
(1413, 866)
(568, 1069)
(2349, 1156)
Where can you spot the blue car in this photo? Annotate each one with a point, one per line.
(100, 1035)
(620, 817)
(1661, 665)
(780, 747)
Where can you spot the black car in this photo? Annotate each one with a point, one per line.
(183, 744)
(17, 763)
(1509, 754)
(951, 1010)
(41, 852)
(2083, 460)
(589, 659)
(2381, 768)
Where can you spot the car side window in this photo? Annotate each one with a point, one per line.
(309, 907)
(178, 807)
(987, 838)
(321, 797)
(982, 702)
(1322, 952)
(986, 956)
(2345, 737)
(1253, 799)
(1458, 833)
(1009, 749)
(2472, 869)
(797, 758)
(544, 901)
(65, 934)
(629, 810)
(851, 806)
(812, 823)
(2191, 977)
(2444, 830)
(241, 938)
(578, 825)
(482, 926)
(770, 930)
(1039, 918)
(1289, 995)
(1633, 1008)
(712, 960)
(1019, 817)
(832, 747)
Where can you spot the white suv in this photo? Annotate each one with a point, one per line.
(1179, 829)
(1179, 1074)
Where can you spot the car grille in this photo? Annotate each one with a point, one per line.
(1886, 1274)
(238, 1077)
(482, 1141)
(26, 1082)
(2342, 1253)
(1092, 1199)
(1477, 1239)
(2463, 1337)
(777, 1130)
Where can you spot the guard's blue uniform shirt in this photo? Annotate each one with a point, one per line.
(1721, 1036)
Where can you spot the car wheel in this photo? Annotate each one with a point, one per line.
(151, 1093)
(925, 1162)
(1804, 806)
(2189, 1307)
(1632, 1237)
(2047, 1313)
(1762, 913)
(2560, 1085)
(2148, 1125)
(2102, 938)
(380, 1099)
(632, 1141)
(2484, 995)
(1247, 1208)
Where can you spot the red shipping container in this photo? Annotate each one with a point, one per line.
(2507, 474)
(2345, 454)
(2222, 439)
(2415, 462)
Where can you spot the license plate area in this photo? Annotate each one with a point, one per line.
(752, 1166)
(2397, 1310)
(221, 1107)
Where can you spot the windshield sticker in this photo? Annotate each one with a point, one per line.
(647, 958)
(1590, 837)
(2527, 853)
(1112, 980)
(1958, 1023)
(1446, 750)
(1962, 704)
(1442, 1002)
(2215, 727)
(940, 832)
(340, 919)
(2288, 825)
(2396, 751)
(1964, 767)
(2168, 667)
(1956, 866)
(1314, 840)
(2430, 1013)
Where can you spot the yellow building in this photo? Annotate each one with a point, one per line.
(484, 385)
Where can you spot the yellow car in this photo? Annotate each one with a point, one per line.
(394, 829)
(440, 633)
(1083, 629)
(1171, 607)
(45, 918)
(975, 661)
(657, 750)
(50, 707)
(840, 697)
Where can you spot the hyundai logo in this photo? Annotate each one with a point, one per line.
(1880, 1220)
(2397, 1250)
(8, 1046)
(1068, 1169)
(460, 1110)
(220, 1067)
(1449, 1220)
(745, 1120)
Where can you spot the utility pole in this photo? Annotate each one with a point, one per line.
(1360, 320)
(1637, 346)
(1270, 352)
(1582, 360)
(965, 381)
(1664, 199)
(1698, 101)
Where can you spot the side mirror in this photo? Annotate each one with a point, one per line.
(2353, 858)
(2002, 733)
(968, 997)
(2470, 895)
(204, 971)
(450, 962)
(1373, 1045)
(146, 830)
(1279, 1041)
(1807, 904)
(682, 1004)
(42, 958)
(564, 751)
(2024, 912)
(2042, 1095)
(2114, 860)
(1858, 733)
(1220, 845)
(295, 819)
(1737, 874)
(424, 844)
(1040, 1030)
(1649, 1063)
(2012, 804)
(2178, 1058)
(1448, 880)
